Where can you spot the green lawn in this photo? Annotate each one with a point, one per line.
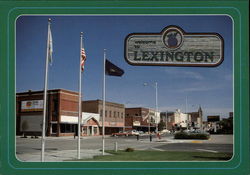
(146, 155)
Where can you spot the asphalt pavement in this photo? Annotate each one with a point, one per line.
(65, 148)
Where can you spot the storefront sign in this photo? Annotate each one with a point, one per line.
(32, 105)
(214, 118)
(136, 123)
(174, 47)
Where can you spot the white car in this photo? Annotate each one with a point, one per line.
(134, 132)
(165, 131)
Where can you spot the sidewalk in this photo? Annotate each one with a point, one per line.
(58, 156)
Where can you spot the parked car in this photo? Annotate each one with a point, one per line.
(133, 133)
(120, 133)
(141, 132)
(165, 131)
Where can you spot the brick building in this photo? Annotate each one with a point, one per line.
(138, 119)
(114, 114)
(62, 112)
(90, 124)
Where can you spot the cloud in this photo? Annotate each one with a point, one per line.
(178, 73)
(200, 88)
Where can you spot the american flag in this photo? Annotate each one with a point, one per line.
(83, 56)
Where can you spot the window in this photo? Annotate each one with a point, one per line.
(54, 128)
(55, 110)
(101, 112)
(110, 114)
(105, 113)
(122, 115)
(66, 128)
(118, 114)
(114, 114)
(169, 119)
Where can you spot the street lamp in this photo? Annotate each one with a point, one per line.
(156, 102)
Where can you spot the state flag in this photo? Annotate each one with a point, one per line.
(113, 70)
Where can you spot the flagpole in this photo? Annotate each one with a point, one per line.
(79, 103)
(103, 103)
(45, 96)
(156, 105)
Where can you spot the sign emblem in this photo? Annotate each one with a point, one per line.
(172, 38)
(174, 47)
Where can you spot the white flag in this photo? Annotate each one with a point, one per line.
(50, 46)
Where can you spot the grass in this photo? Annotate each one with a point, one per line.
(143, 155)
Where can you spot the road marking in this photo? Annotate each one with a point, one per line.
(207, 150)
(157, 149)
(195, 141)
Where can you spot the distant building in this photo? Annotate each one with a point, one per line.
(231, 114)
(154, 116)
(178, 119)
(136, 118)
(141, 119)
(196, 118)
(114, 114)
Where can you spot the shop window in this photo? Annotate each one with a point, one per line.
(84, 131)
(67, 128)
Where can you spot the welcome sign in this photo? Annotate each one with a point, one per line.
(174, 47)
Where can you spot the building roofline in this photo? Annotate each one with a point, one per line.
(49, 91)
(138, 108)
(98, 101)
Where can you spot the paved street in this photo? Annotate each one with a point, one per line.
(65, 148)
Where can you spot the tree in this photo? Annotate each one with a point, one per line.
(226, 126)
(161, 125)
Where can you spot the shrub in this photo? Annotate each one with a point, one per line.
(129, 150)
(184, 135)
(181, 135)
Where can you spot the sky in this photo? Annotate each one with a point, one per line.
(208, 87)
